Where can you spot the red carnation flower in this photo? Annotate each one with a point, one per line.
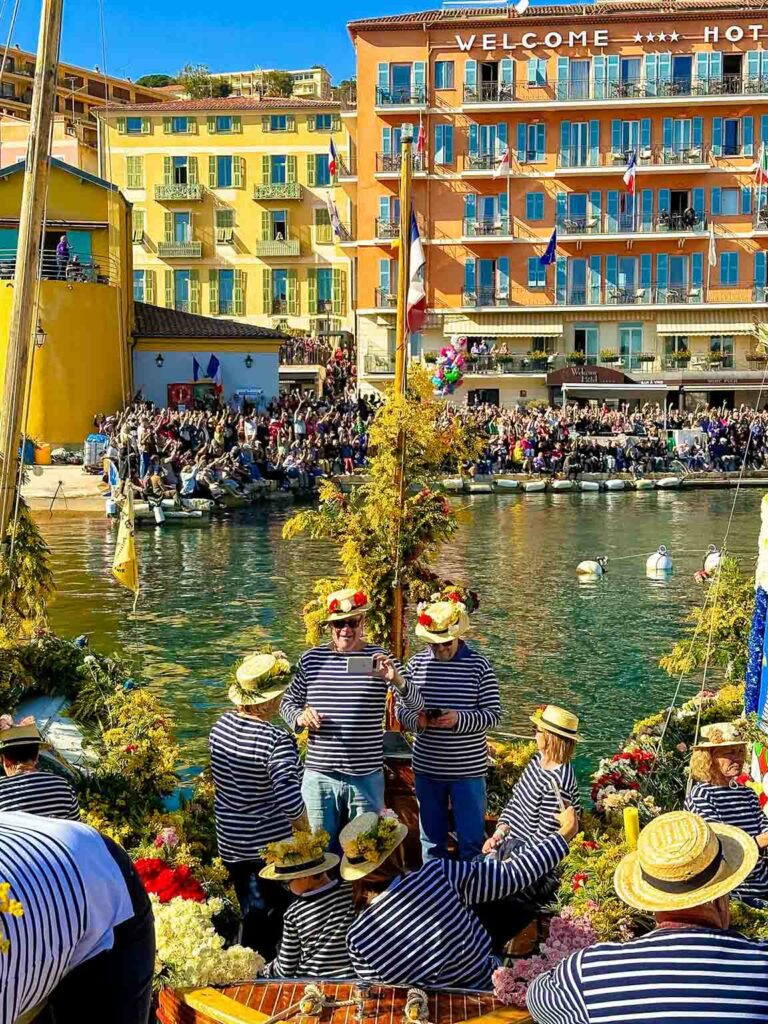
(425, 620)
(763, 799)
(359, 599)
(455, 596)
(590, 844)
(130, 748)
(334, 605)
(742, 779)
(579, 881)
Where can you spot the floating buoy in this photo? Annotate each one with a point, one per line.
(506, 485)
(480, 488)
(668, 483)
(659, 561)
(614, 485)
(644, 485)
(534, 485)
(158, 514)
(453, 483)
(589, 485)
(110, 507)
(562, 485)
(712, 560)
(592, 568)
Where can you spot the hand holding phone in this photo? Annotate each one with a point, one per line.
(360, 665)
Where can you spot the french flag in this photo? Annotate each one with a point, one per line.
(421, 141)
(416, 304)
(630, 175)
(332, 165)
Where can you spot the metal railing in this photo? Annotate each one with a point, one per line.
(278, 247)
(94, 269)
(508, 364)
(485, 297)
(628, 223)
(390, 163)
(486, 228)
(385, 299)
(760, 293)
(632, 88)
(482, 161)
(379, 363)
(389, 228)
(409, 97)
(760, 219)
(166, 193)
(180, 250)
(277, 190)
(489, 92)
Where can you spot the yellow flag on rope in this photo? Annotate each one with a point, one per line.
(125, 565)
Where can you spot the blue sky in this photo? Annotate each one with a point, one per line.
(147, 35)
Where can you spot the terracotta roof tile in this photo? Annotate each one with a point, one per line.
(227, 104)
(160, 322)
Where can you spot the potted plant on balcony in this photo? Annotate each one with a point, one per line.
(646, 357)
(430, 357)
(682, 357)
(538, 358)
(576, 358)
(609, 355)
(505, 361)
(757, 358)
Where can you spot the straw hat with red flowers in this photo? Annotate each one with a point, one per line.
(346, 604)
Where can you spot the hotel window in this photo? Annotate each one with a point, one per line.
(324, 290)
(729, 269)
(444, 74)
(224, 123)
(134, 125)
(279, 291)
(630, 344)
(318, 171)
(180, 170)
(537, 274)
(181, 290)
(323, 122)
(387, 281)
(134, 172)
(731, 136)
(277, 170)
(401, 83)
(274, 225)
(586, 339)
(138, 286)
(180, 125)
(721, 349)
(220, 172)
(137, 226)
(278, 123)
(224, 221)
(537, 71)
(674, 343)
(323, 227)
(226, 291)
(729, 202)
(181, 227)
(443, 144)
(531, 143)
(534, 206)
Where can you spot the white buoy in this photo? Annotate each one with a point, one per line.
(712, 559)
(589, 485)
(592, 568)
(110, 507)
(659, 561)
(159, 514)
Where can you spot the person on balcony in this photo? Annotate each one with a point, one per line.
(63, 256)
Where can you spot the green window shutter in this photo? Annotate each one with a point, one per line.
(291, 172)
(194, 291)
(238, 293)
(167, 125)
(146, 126)
(168, 226)
(310, 122)
(121, 126)
(137, 226)
(237, 124)
(266, 171)
(192, 126)
(211, 172)
(266, 225)
(192, 173)
(311, 164)
(212, 124)
(149, 287)
(139, 172)
(266, 293)
(336, 123)
(265, 123)
(312, 289)
(290, 123)
(169, 289)
(339, 291)
(167, 170)
(129, 172)
(293, 293)
(238, 171)
(213, 291)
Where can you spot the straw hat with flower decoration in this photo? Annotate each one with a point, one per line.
(257, 679)
(722, 734)
(558, 721)
(346, 604)
(442, 622)
(682, 861)
(305, 854)
(367, 841)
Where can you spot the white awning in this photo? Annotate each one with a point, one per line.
(619, 387)
(500, 325)
(697, 321)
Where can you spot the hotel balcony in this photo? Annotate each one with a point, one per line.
(389, 164)
(180, 250)
(168, 193)
(479, 229)
(277, 190)
(379, 363)
(695, 158)
(387, 230)
(385, 299)
(397, 99)
(631, 296)
(278, 248)
(760, 219)
(627, 224)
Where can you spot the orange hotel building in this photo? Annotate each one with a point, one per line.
(661, 292)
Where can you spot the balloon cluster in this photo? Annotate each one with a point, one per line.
(448, 372)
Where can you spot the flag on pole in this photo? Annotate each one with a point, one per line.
(756, 678)
(416, 304)
(125, 564)
(421, 140)
(213, 370)
(333, 214)
(503, 165)
(712, 252)
(196, 369)
(761, 167)
(332, 163)
(550, 253)
(521, 6)
(114, 477)
(630, 175)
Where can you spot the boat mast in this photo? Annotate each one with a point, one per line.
(401, 340)
(26, 272)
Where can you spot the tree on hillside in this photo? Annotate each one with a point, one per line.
(345, 90)
(278, 83)
(200, 84)
(155, 81)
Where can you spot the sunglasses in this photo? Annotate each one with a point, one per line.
(352, 623)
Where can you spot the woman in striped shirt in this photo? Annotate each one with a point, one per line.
(717, 795)
(314, 942)
(25, 787)
(257, 777)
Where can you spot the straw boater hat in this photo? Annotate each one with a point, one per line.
(367, 841)
(303, 855)
(20, 736)
(345, 604)
(257, 678)
(558, 721)
(722, 734)
(682, 861)
(442, 622)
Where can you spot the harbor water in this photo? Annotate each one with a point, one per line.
(211, 593)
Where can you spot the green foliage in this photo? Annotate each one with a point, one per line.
(278, 83)
(508, 761)
(26, 581)
(726, 617)
(200, 84)
(155, 81)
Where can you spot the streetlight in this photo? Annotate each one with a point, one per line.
(40, 335)
(159, 360)
(248, 361)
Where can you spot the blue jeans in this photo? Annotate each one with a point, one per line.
(466, 799)
(333, 799)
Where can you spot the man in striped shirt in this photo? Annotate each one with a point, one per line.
(450, 752)
(25, 787)
(339, 693)
(691, 967)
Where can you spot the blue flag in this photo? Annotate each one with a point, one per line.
(549, 255)
(195, 369)
(213, 372)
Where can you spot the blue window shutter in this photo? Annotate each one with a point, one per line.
(716, 64)
(386, 141)
(714, 201)
(611, 271)
(563, 71)
(565, 141)
(501, 137)
(702, 66)
(439, 144)
(666, 133)
(448, 142)
(530, 206)
(717, 136)
(594, 203)
(651, 73)
(697, 135)
(473, 139)
(760, 265)
(645, 133)
(735, 273)
(665, 67)
(748, 135)
(645, 270)
(561, 278)
(613, 70)
(521, 133)
(384, 277)
(594, 280)
(503, 206)
(697, 269)
(764, 128)
(615, 136)
(746, 199)
(384, 208)
(698, 201)
(664, 200)
(470, 206)
(507, 70)
(502, 275)
(612, 206)
(560, 208)
(419, 78)
(646, 209)
(598, 66)
(594, 143)
(753, 66)
(470, 73)
(383, 77)
(470, 274)
(541, 141)
(661, 270)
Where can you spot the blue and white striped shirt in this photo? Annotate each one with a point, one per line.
(531, 813)
(257, 775)
(314, 942)
(465, 684)
(697, 975)
(351, 705)
(735, 805)
(73, 896)
(39, 793)
(421, 931)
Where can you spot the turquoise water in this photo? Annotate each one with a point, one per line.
(212, 593)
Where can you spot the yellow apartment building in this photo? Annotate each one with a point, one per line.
(308, 83)
(660, 291)
(231, 208)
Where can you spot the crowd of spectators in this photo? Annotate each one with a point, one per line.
(338, 361)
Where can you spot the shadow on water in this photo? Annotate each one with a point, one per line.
(211, 593)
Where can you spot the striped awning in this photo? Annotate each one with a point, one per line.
(697, 321)
(500, 324)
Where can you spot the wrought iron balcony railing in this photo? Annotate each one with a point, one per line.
(389, 228)
(180, 250)
(385, 299)
(489, 92)
(486, 228)
(278, 190)
(415, 96)
(167, 193)
(390, 163)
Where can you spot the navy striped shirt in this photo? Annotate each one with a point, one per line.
(531, 814)
(735, 805)
(257, 775)
(697, 975)
(314, 942)
(73, 896)
(465, 684)
(421, 931)
(352, 706)
(39, 793)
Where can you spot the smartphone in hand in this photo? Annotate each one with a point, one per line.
(433, 713)
(360, 665)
